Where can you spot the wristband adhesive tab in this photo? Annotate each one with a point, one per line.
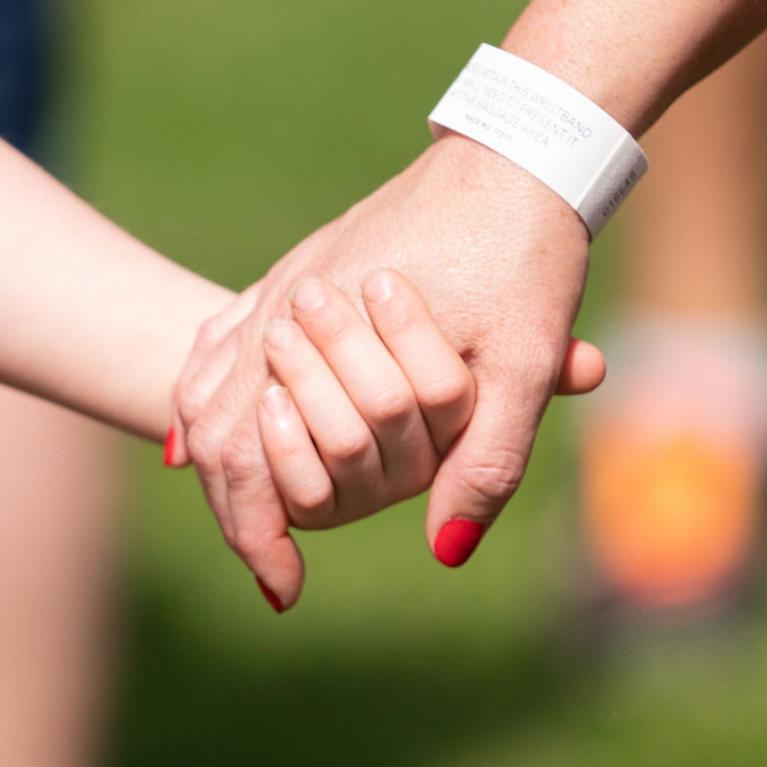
(546, 127)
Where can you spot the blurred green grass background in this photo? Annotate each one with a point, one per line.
(222, 132)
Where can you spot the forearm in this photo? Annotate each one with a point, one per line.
(634, 58)
(90, 317)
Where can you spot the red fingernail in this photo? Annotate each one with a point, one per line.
(457, 540)
(270, 596)
(170, 442)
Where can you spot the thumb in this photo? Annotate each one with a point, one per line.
(583, 369)
(482, 470)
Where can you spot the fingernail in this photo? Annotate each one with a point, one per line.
(379, 287)
(270, 597)
(279, 333)
(309, 297)
(457, 540)
(276, 401)
(170, 443)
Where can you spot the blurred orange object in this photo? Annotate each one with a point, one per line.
(671, 518)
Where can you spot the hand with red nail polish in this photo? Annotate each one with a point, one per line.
(298, 412)
(360, 419)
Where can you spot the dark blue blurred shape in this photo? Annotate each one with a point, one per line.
(21, 71)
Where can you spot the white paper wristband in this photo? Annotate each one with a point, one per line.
(546, 127)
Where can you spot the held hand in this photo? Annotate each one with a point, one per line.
(368, 415)
(360, 421)
(501, 262)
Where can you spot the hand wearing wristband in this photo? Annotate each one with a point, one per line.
(499, 257)
(497, 252)
(492, 250)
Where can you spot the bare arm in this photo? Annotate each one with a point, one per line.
(634, 58)
(90, 317)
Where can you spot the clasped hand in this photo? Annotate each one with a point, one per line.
(328, 391)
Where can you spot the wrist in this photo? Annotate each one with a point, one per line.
(502, 193)
(546, 127)
(630, 92)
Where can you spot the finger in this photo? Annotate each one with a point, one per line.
(206, 429)
(224, 446)
(205, 439)
(372, 378)
(483, 468)
(260, 518)
(297, 470)
(193, 396)
(191, 403)
(443, 384)
(344, 440)
(209, 337)
(583, 370)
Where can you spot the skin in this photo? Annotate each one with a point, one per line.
(95, 320)
(57, 581)
(533, 342)
(500, 260)
(80, 261)
(403, 394)
(458, 216)
(116, 305)
(82, 302)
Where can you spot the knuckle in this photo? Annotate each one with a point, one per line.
(399, 317)
(392, 405)
(425, 475)
(208, 335)
(315, 496)
(495, 480)
(421, 478)
(332, 328)
(203, 446)
(446, 393)
(191, 402)
(351, 445)
(239, 458)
